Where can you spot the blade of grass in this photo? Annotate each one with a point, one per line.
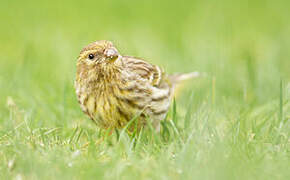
(174, 115)
(187, 119)
(128, 125)
(73, 135)
(281, 104)
(79, 135)
(176, 130)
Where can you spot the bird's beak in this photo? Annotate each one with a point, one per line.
(111, 53)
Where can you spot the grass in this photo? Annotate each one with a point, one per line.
(232, 124)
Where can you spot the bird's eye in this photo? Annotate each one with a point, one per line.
(91, 56)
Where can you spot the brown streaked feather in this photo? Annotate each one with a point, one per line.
(147, 71)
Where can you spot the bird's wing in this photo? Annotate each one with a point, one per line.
(154, 74)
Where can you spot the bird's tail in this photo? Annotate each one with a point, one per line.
(177, 79)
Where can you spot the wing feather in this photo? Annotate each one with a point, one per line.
(154, 74)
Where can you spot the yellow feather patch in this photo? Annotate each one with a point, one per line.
(91, 104)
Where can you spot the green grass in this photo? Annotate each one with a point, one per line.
(232, 124)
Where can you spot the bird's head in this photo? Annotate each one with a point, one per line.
(98, 52)
(98, 60)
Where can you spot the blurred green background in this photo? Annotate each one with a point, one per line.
(243, 46)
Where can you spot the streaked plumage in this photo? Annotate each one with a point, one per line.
(112, 89)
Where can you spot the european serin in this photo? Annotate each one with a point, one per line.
(112, 89)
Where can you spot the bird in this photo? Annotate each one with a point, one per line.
(113, 89)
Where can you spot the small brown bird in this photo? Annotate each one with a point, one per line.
(112, 89)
